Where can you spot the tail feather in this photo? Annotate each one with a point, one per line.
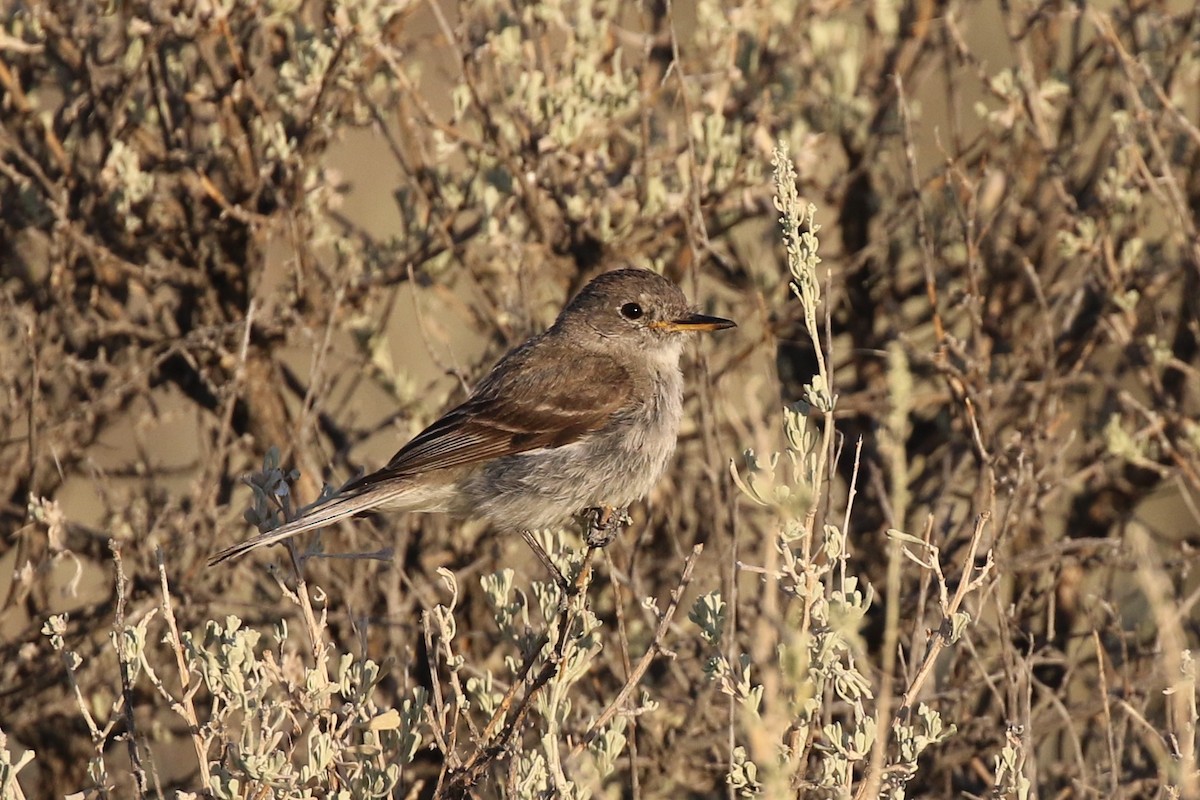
(336, 509)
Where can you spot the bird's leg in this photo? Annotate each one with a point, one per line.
(547, 562)
(603, 524)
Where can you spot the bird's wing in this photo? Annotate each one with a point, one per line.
(516, 409)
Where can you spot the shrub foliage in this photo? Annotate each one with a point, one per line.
(929, 528)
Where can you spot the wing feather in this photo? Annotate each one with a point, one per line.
(517, 408)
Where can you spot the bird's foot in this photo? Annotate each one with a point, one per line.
(602, 525)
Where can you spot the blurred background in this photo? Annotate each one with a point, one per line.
(313, 226)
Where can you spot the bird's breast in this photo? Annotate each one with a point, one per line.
(642, 443)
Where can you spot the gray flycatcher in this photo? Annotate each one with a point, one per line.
(583, 416)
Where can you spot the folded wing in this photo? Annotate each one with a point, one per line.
(516, 409)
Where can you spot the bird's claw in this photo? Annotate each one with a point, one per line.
(603, 524)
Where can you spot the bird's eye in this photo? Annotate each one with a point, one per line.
(632, 311)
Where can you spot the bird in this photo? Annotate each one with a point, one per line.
(582, 416)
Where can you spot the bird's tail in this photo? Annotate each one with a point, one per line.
(337, 508)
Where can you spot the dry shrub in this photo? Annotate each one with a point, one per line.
(995, 361)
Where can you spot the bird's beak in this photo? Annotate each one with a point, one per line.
(695, 322)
